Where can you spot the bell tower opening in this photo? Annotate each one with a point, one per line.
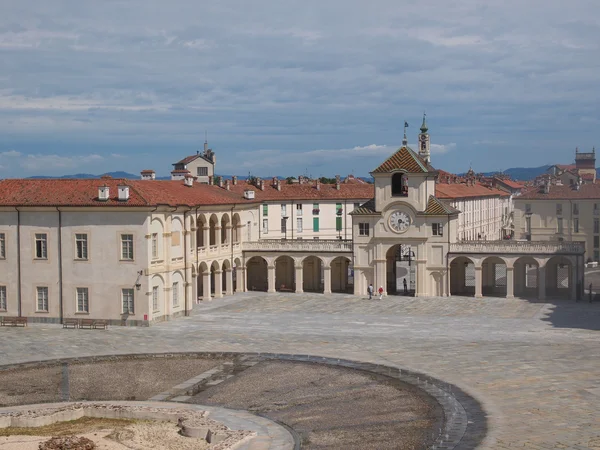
(399, 186)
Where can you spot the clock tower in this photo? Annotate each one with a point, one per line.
(424, 151)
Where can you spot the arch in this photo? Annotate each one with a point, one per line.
(257, 274)
(177, 290)
(560, 277)
(225, 233)
(437, 282)
(176, 240)
(225, 267)
(493, 277)
(236, 229)
(462, 276)
(285, 274)
(526, 276)
(399, 185)
(215, 268)
(201, 223)
(340, 281)
(156, 238)
(201, 280)
(157, 294)
(313, 274)
(237, 275)
(213, 225)
(401, 273)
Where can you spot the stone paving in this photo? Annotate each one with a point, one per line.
(535, 367)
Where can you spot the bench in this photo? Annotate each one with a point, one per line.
(100, 324)
(9, 321)
(70, 323)
(86, 323)
(93, 324)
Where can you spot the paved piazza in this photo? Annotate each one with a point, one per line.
(535, 367)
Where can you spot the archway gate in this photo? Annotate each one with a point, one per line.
(509, 268)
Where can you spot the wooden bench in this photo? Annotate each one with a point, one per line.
(86, 323)
(10, 321)
(93, 324)
(70, 323)
(100, 324)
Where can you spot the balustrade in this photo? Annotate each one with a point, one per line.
(333, 245)
(518, 247)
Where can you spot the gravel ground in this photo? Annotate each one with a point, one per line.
(36, 385)
(133, 379)
(331, 407)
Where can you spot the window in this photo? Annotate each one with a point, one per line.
(202, 171)
(2, 246)
(560, 224)
(41, 246)
(283, 225)
(176, 294)
(2, 298)
(299, 224)
(363, 229)
(437, 229)
(338, 224)
(155, 298)
(576, 209)
(265, 209)
(559, 209)
(154, 245)
(265, 228)
(42, 299)
(596, 241)
(596, 225)
(576, 225)
(299, 209)
(596, 255)
(399, 186)
(596, 209)
(528, 225)
(356, 205)
(83, 302)
(127, 246)
(315, 224)
(527, 208)
(81, 242)
(283, 210)
(127, 300)
(338, 209)
(315, 209)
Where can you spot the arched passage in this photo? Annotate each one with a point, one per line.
(200, 236)
(225, 229)
(560, 277)
(493, 277)
(526, 276)
(203, 281)
(227, 278)
(214, 226)
(339, 275)
(462, 276)
(237, 276)
(215, 279)
(257, 274)
(312, 275)
(284, 274)
(236, 229)
(401, 273)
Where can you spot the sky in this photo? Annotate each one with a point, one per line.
(295, 87)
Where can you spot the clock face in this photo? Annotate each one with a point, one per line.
(399, 221)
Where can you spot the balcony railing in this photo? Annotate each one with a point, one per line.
(518, 247)
(285, 245)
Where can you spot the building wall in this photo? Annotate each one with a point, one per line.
(201, 162)
(482, 216)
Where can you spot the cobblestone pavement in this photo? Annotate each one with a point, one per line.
(535, 367)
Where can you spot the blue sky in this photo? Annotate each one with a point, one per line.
(316, 87)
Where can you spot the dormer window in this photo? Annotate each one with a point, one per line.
(399, 185)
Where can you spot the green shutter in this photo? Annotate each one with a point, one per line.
(338, 224)
(315, 224)
(265, 210)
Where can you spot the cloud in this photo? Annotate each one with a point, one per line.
(10, 154)
(46, 163)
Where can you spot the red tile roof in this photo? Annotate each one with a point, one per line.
(404, 159)
(563, 192)
(307, 191)
(437, 207)
(463, 190)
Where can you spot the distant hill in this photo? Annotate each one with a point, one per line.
(118, 174)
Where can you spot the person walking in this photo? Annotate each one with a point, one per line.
(370, 291)
(405, 287)
(380, 292)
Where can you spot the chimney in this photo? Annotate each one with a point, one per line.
(103, 193)
(546, 187)
(318, 184)
(220, 182)
(249, 194)
(188, 180)
(123, 192)
(261, 183)
(300, 179)
(274, 182)
(227, 185)
(211, 179)
(278, 184)
(148, 174)
(337, 182)
(234, 179)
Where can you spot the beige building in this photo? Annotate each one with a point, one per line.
(201, 166)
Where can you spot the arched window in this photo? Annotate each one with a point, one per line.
(399, 187)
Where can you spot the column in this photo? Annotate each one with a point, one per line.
(228, 281)
(299, 279)
(206, 286)
(228, 234)
(380, 277)
(218, 235)
(541, 280)
(206, 231)
(327, 279)
(510, 282)
(271, 279)
(478, 281)
(192, 235)
(240, 279)
(218, 284)
(420, 285)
